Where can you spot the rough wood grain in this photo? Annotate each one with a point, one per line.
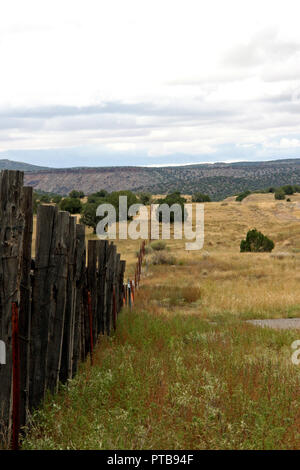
(11, 245)
(58, 299)
(101, 287)
(25, 304)
(43, 296)
(92, 281)
(80, 277)
(68, 336)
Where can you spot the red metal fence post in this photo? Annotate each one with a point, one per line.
(16, 378)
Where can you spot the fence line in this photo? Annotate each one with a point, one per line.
(63, 304)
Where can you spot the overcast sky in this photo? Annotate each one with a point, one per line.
(105, 82)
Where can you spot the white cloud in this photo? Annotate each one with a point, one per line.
(159, 77)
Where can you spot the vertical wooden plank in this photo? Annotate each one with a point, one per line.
(121, 282)
(43, 297)
(80, 255)
(11, 243)
(117, 280)
(92, 281)
(109, 290)
(101, 287)
(68, 337)
(58, 299)
(25, 303)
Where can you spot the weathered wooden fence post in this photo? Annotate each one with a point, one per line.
(109, 285)
(42, 297)
(101, 287)
(80, 278)
(49, 298)
(121, 283)
(69, 323)
(11, 245)
(25, 304)
(92, 282)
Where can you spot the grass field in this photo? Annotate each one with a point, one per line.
(184, 370)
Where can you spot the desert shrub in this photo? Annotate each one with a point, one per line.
(159, 245)
(279, 194)
(190, 294)
(242, 196)
(175, 295)
(148, 250)
(288, 189)
(200, 197)
(288, 200)
(257, 242)
(162, 258)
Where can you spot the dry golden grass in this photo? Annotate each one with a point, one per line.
(245, 284)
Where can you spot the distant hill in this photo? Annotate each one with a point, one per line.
(11, 165)
(219, 180)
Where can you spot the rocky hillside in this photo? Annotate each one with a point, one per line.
(219, 180)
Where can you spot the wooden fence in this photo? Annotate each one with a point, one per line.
(53, 305)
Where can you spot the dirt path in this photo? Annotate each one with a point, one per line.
(278, 323)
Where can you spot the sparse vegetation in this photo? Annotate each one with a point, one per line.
(242, 196)
(279, 194)
(256, 242)
(200, 197)
(162, 258)
(158, 245)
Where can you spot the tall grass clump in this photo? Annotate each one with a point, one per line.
(158, 245)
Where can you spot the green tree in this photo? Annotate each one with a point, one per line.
(113, 198)
(45, 198)
(170, 199)
(72, 205)
(88, 215)
(145, 198)
(242, 196)
(101, 193)
(200, 197)
(256, 242)
(76, 194)
(56, 199)
(288, 189)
